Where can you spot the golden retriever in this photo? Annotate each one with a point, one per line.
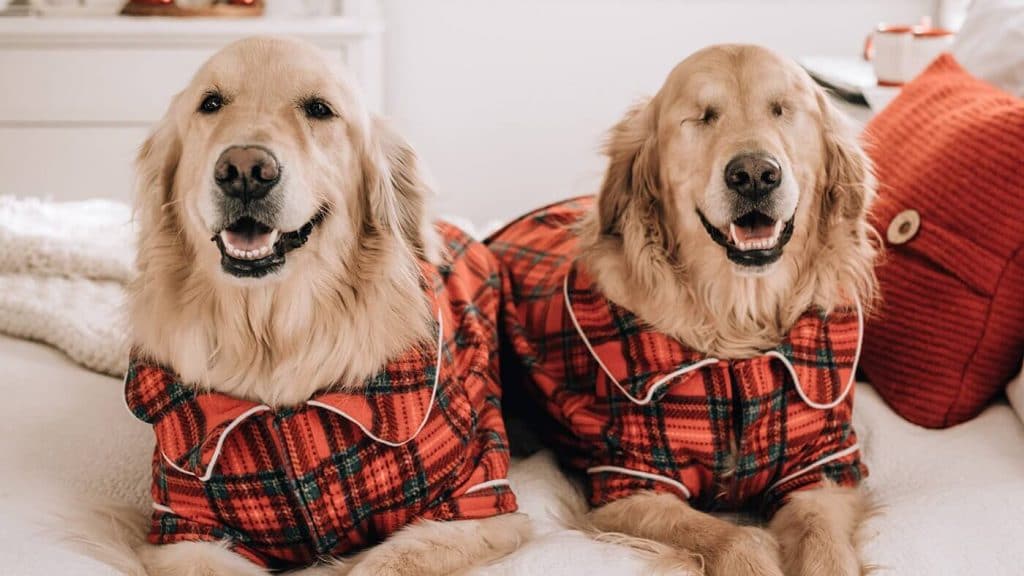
(732, 212)
(283, 229)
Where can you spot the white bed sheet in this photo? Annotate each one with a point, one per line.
(954, 499)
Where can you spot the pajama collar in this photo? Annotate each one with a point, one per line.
(391, 407)
(820, 353)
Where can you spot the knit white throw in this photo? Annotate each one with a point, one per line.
(63, 270)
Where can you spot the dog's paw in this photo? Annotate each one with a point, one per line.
(748, 551)
(442, 548)
(196, 559)
(821, 554)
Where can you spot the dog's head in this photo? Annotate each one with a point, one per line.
(269, 156)
(738, 163)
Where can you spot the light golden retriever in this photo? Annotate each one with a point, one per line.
(282, 227)
(734, 202)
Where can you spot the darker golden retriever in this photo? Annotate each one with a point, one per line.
(693, 332)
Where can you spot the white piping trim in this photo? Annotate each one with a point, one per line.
(654, 387)
(646, 475)
(220, 444)
(433, 396)
(834, 456)
(124, 392)
(162, 508)
(853, 369)
(488, 484)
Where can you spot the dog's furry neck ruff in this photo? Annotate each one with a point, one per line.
(711, 309)
(332, 321)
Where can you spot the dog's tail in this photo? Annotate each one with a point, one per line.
(109, 533)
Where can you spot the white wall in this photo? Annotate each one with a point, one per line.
(508, 100)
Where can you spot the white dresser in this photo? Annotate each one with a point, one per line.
(77, 96)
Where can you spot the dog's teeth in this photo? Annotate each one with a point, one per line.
(254, 254)
(762, 244)
(732, 233)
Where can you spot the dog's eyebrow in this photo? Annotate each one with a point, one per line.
(309, 95)
(215, 89)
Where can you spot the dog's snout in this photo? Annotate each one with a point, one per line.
(753, 176)
(247, 172)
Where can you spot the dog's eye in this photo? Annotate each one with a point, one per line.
(778, 109)
(317, 109)
(211, 103)
(709, 116)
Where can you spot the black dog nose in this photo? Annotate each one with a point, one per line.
(246, 172)
(753, 176)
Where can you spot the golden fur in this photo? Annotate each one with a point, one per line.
(341, 307)
(648, 252)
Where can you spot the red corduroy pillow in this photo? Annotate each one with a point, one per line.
(949, 155)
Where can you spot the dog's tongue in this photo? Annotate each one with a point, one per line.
(753, 226)
(247, 234)
(246, 240)
(755, 232)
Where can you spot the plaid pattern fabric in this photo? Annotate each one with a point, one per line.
(346, 469)
(638, 410)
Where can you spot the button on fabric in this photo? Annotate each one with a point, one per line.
(903, 227)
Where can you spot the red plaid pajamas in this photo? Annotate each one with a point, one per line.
(423, 440)
(637, 410)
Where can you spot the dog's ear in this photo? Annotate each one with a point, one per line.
(155, 167)
(399, 192)
(631, 210)
(849, 185)
(846, 196)
(632, 180)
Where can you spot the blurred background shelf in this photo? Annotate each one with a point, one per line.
(90, 88)
(53, 32)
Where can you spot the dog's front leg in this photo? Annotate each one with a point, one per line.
(817, 528)
(435, 548)
(723, 548)
(196, 559)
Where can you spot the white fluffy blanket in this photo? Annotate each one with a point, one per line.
(63, 267)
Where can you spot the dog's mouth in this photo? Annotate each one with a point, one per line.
(754, 239)
(251, 249)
